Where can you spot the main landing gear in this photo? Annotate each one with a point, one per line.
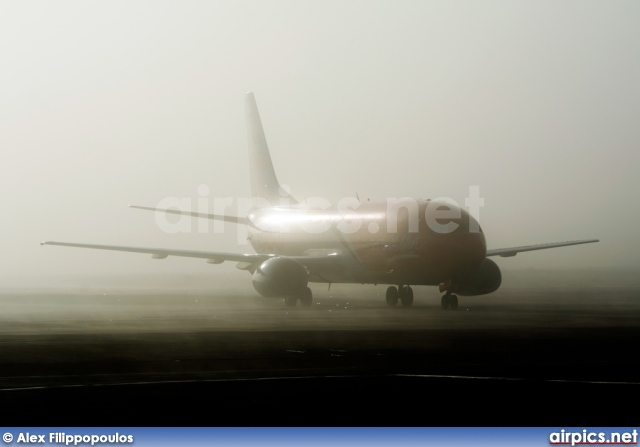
(402, 293)
(305, 298)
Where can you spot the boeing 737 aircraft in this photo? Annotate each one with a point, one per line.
(398, 243)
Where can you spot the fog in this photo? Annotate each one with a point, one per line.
(105, 104)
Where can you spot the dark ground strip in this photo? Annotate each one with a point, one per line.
(570, 359)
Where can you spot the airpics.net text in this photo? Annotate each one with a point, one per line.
(315, 214)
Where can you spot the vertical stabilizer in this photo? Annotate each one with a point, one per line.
(264, 183)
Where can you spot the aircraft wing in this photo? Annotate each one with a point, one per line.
(509, 252)
(212, 257)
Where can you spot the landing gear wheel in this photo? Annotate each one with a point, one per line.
(290, 301)
(453, 302)
(449, 302)
(392, 296)
(406, 297)
(306, 297)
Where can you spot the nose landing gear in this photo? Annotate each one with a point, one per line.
(449, 301)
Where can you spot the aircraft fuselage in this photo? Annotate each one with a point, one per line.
(411, 242)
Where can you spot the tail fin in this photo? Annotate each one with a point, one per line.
(264, 183)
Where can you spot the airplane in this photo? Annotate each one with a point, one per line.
(401, 243)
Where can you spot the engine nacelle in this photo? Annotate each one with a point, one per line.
(278, 277)
(485, 280)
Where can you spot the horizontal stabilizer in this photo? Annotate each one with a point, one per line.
(232, 219)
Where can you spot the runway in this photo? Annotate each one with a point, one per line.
(153, 359)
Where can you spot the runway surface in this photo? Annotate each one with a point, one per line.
(542, 356)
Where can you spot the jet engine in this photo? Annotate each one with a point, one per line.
(278, 277)
(486, 280)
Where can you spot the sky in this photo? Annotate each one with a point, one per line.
(105, 104)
